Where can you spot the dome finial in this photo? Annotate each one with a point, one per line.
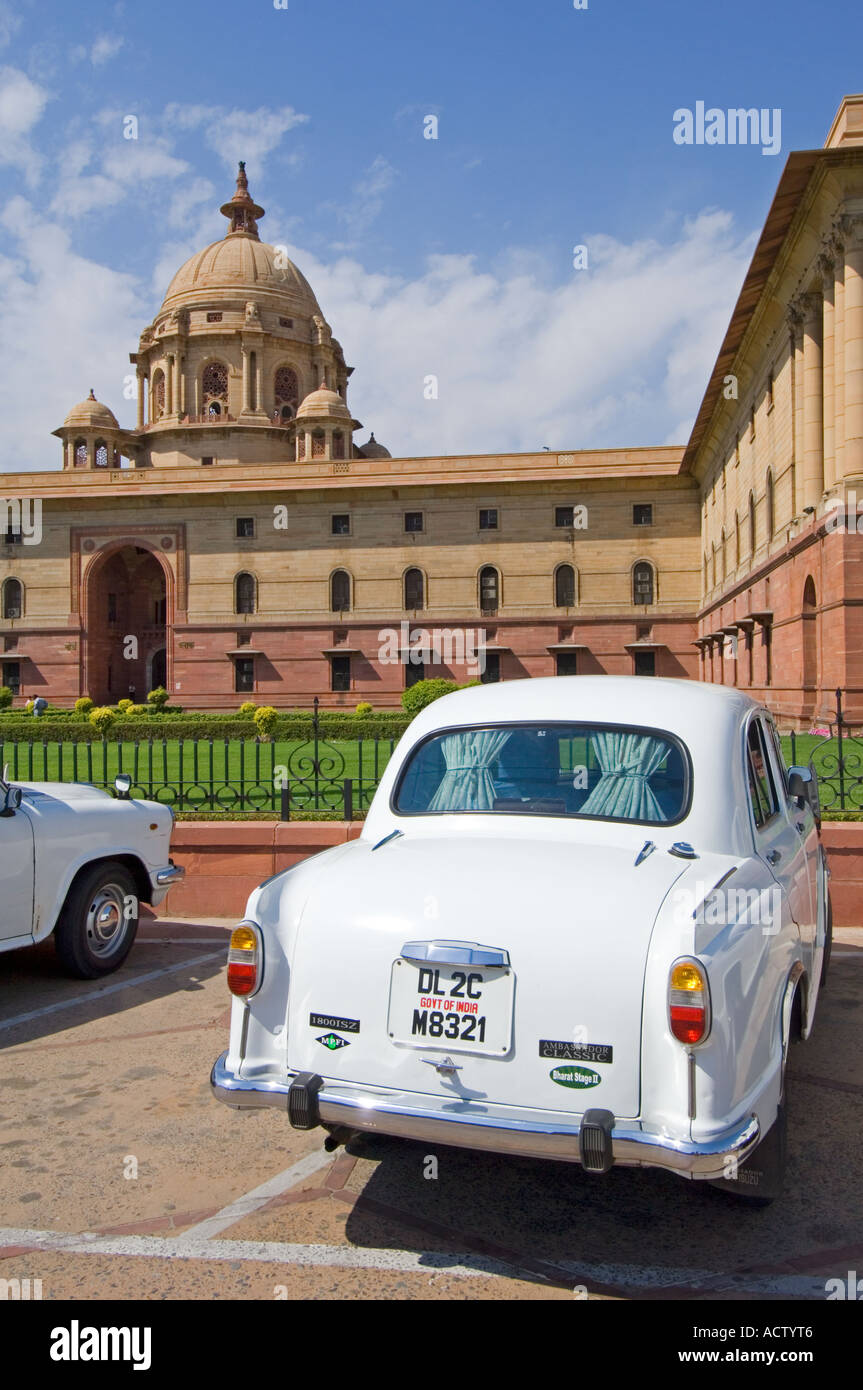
(92, 395)
(241, 211)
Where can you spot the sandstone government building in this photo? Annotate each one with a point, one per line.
(256, 551)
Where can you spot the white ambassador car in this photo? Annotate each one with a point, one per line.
(584, 919)
(76, 862)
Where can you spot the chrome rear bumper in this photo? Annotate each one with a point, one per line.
(492, 1128)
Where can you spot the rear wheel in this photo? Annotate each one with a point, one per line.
(99, 920)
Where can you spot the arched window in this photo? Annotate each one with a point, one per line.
(706, 572)
(736, 541)
(13, 598)
(642, 583)
(286, 392)
(752, 521)
(723, 547)
(244, 593)
(214, 389)
(414, 590)
(564, 586)
(771, 506)
(101, 454)
(340, 591)
(157, 396)
(489, 590)
(80, 447)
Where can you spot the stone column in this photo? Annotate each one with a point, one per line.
(826, 268)
(839, 356)
(795, 327)
(140, 377)
(169, 385)
(246, 382)
(813, 401)
(852, 464)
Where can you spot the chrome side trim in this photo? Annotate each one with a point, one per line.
(495, 1130)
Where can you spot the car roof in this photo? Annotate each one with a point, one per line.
(654, 701)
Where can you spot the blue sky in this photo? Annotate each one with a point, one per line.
(451, 256)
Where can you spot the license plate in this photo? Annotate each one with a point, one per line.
(458, 1008)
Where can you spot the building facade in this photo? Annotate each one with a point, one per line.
(237, 543)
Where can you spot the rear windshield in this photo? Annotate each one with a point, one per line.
(599, 772)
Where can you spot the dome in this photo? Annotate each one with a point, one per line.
(91, 414)
(323, 404)
(373, 450)
(240, 266)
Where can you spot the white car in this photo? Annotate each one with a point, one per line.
(583, 921)
(76, 862)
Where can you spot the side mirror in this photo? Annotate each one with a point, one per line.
(12, 801)
(803, 786)
(122, 786)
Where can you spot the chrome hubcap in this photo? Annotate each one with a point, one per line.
(106, 920)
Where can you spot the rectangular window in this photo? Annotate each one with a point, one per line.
(413, 522)
(112, 608)
(488, 518)
(243, 639)
(645, 663)
(341, 524)
(415, 671)
(244, 675)
(160, 607)
(286, 323)
(12, 676)
(564, 516)
(567, 663)
(245, 527)
(491, 674)
(341, 673)
(642, 514)
(207, 463)
(214, 318)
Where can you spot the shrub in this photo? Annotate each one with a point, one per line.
(157, 698)
(425, 692)
(265, 718)
(125, 705)
(5, 697)
(102, 720)
(135, 711)
(83, 706)
(364, 709)
(247, 709)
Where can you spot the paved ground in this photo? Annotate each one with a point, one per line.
(101, 1081)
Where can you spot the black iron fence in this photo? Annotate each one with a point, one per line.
(234, 776)
(837, 758)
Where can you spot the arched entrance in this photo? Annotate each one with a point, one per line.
(126, 626)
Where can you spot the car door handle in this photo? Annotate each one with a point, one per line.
(773, 856)
(800, 827)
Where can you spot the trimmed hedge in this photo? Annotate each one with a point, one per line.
(47, 729)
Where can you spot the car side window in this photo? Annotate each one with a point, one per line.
(762, 792)
(780, 757)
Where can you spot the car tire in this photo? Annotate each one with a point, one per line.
(99, 920)
(828, 943)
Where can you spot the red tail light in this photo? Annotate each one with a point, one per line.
(245, 960)
(688, 1001)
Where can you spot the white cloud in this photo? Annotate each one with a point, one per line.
(617, 355)
(21, 105)
(236, 134)
(368, 196)
(69, 324)
(10, 23)
(105, 48)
